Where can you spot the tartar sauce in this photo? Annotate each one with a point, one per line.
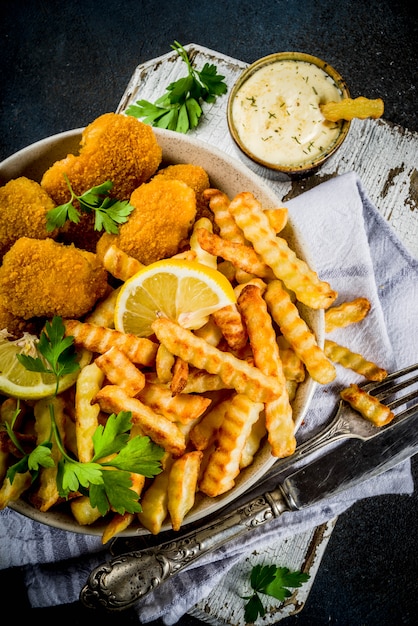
(277, 116)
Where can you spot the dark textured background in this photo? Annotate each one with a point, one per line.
(64, 63)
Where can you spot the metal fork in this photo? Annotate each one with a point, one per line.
(346, 423)
(122, 581)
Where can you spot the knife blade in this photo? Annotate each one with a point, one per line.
(119, 583)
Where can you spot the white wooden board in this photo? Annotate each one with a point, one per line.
(385, 157)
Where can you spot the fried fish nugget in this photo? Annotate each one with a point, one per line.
(298, 334)
(279, 419)
(112, 399)
(275, 252)
(224, 462)
(164, 211)
(182, 408)
(23, 208)
(367, 405)
(353, 361)
(346, 313)
(182, 486)
(349, 108)
(120, 370)
(43, 278)
(100, 339)
(242, 376)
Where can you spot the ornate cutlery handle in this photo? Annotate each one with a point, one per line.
(122, 581)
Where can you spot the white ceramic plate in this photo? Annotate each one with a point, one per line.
(232, 177)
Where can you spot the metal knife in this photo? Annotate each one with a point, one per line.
(125, 579)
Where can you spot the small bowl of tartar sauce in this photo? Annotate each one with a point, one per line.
(274, 113)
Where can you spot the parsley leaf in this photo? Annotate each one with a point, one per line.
(273, 581)
(106, 479)
(109, 212)
(179, 108)
(57, 352)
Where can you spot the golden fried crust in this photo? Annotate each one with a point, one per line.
(163, 215)
(23, 208)
(114, 147)
(193, 175)
(44, 278)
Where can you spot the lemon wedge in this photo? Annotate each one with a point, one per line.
(18, 382)
(184, 291)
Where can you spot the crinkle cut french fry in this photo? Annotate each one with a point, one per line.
(298, 334)
(182, 486)
(182, 408)
(83, 512)
(112, 399)
(10, 492)
(293, 367)
(229, 320)
(100, 339)
(253, 442)
(277, 218)
(275, 252)
(223, 465)
(210, 332)
(104, 311)
(201, 255)
(219, 205)
(120, 264)
(200, 381)
(180, 375)
(120, 370)
(350, 108)
(119, 521)
(89, 382)
(346, 313)
(353, 361)
(164, 362)
(240, 255)
(204, 433)
(367, 405)
(46, 494)
(155, 500)
(279, 415)
(242, 376)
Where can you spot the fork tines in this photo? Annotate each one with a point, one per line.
(404, 379)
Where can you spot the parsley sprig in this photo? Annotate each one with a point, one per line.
(179, 108)
(109, 212)
(272, 581)
(106, 478)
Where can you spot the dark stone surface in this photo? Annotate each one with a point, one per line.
(65, 63)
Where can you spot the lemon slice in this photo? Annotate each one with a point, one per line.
(184, 291)
(18, 382)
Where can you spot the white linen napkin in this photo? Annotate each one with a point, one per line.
(355, 250)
